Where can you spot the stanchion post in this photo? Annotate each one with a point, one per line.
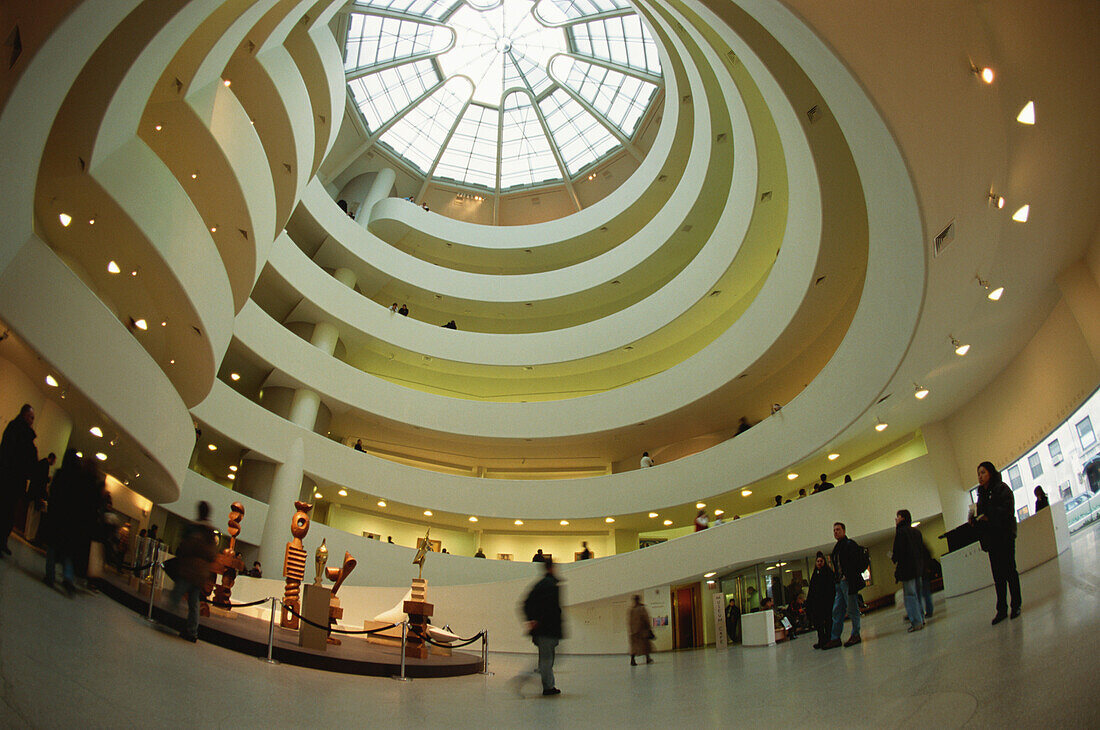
(404, 637)
(485, 653)
(153, 581)
(271, 635)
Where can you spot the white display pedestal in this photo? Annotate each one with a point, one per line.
(1039, 538)
(758, 628)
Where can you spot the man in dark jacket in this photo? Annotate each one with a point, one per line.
(906, 555)
(37, 491)
(196, 553)
(543, 611)
(995, 517)
(18, 456)
(848, 572)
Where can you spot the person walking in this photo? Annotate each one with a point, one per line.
(18, 456)
(995, 518)
(641, 632)
(906, 555)
(37, 492)
(61, 526)
(930, 569)
(849, 562)
(820, 599)
(542, 608)
(197, 550)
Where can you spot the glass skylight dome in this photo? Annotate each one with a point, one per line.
(498, 94)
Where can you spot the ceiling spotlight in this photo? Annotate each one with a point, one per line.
(653, 514)
(563, 523)
(51, 381)
(518, 522)
(960, 348)
(80, 454)
(234, 376)
(792, 476)
(231, 476)
(994, 295)
(91, 221)
(427, 513)
(318, 495)
(985, 73)
(996, 200)
(668, 522)
(133, 273)
(164, 323)
(381, 503)
(609, 520)
(171, 362)
(343, 492)
(158, 127)
(921, 392)
(719, 512)
(833, 456)
(700, 505)
(101, 456)
(473, 519)
(881, 426)
(95, 431)
(1027, 114)
(65, 219)
(141, 324)
(746, 492)
(212, 447)
(233, 468)
(194, 176)
(711, 574)
(226, 83)
(1020, 216)
(213, 229)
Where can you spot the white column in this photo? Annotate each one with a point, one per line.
(285, 486)
(954, 499)
(346, 277)
(379, 188)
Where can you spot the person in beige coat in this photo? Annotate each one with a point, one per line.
(641, 633)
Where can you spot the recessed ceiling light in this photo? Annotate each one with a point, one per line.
(880, 426)
(158, 127)
(91, 221)
(996, 294)
(133, 273)
(518, 522)
(792, 476)
(65, 219)
(212, 447)
(1027, 114)
(920, 393)
(746, 492)
(985, 74)
(227, 82)
(234, 376)
(668, 522)
(141, 324)
(834, 456)
(164, 323)
(231, 477)
(652, 514)
(563, 523)
(427, 513)
(1020, 216)
(80, 454)
(194, 176)
(51, 381)
(711, 574)
(95, 431)
(213, 229)
(171, 362)
(609, 520)
(101, 456)
(233, 468)
(473, 519)
(700, 505)
(112, 268)
(381, 503)
(318, 495)
(719, 512)
(343, 492)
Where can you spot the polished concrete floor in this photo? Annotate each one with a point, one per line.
(88, 662)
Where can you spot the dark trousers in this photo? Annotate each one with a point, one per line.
(7, 513)
(823, 626)
(1002, 563)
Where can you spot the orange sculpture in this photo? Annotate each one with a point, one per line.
(294, 565)
(226, 564)
(338, 575)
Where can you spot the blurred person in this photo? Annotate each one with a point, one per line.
(641, 632)
(539, 557)
(701, 521)
(906, 554)
(778, 500)
(1041, 499)
(359, 445)
(257, 571)
(995, 518)
(197, 550)
(542, 609)
(824, 484)
(37, 492)
(847, 478)
(646, 460)
(61, 526)
(18, 456)
(820, 599)
(802, 493)
(586, 554)
(930, 571)
(849, 562)
(480, 553)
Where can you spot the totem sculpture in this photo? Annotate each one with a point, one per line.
(418, 609)
(294, 565)
(226, 564)
(338, 575)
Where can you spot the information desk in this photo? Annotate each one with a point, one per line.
(1039, 538)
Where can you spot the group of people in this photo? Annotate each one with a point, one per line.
(403, 310)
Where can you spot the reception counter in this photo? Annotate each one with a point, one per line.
(1039, 538)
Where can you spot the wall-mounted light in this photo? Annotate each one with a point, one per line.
(140, 324)
(226, 83)
(719, 512)
(711, 574)
(997, 201)
(234, 376)
(960, 348)
(212, 447)
(920, 392)
(984, 73)
(158, 127)
(101, 456)
(231, 477)
(318, 495)
(112, 268)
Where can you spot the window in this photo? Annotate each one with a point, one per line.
(1013, 474)
(1084, 432)
(1066, 490)
(1055, 449)
(1036, 465)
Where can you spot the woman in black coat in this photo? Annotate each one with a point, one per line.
(820, 599)
(996, 521)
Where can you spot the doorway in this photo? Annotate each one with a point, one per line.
(687, 618)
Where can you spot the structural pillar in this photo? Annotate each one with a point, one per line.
(379, 188)
(285, 486)
(1082, 295)
(954, 499)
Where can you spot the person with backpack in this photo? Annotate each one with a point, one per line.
(850, 559)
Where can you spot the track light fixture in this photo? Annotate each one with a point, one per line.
(996, 200)
(994, 295)
(985, 73)
(960, 348)
(920, 392)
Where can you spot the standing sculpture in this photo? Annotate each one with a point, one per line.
(226, 564)
(294, 566)
(418, 609)
(422, 552)
(338, 575)
(319, 560)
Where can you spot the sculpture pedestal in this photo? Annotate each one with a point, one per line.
(315, 607)
(419, 611)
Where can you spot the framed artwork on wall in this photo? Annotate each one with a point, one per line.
(504, 556)
(435, 546)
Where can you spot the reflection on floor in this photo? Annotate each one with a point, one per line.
(90, 662)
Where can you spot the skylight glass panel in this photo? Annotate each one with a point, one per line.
(381, 95)
(525, 154)
(471, 156)
(561, 11)
(374, 40)
(524, 71)
(434, 9)
(622, 99)
(622, 40)
(418, 135)
(579, 136)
